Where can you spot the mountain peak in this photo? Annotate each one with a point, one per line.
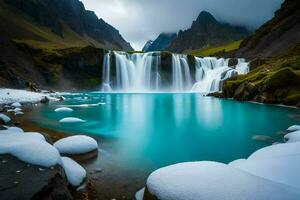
(205, 17)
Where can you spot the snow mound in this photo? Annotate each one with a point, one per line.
(75, 173)
(283, 169)
(140, 194)
(78, 144)
(13, 96)
(14, 129)
(5, 118)
(237, 163)
(207, 181)
(64, 109)
(71, 120)
(278, 150)
(19, 113)
(16, 105)
(30, 148)
(293, 128)
(292, 137)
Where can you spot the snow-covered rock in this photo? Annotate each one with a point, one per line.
(214, 181)
(292, 137)
(237, 163)
(15, 110)
(75, 173)
(14, 129)
(140, 194)
(278, 150)
(11, 96)
(293, 128)
(72, 120)
(19, 113)
(63, 109)
(4, 118)
(283, 169)
(78, 144)
(16, 105)
(30, 148)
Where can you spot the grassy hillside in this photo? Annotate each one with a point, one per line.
(211, 50)
(274, 80)
(23, 29)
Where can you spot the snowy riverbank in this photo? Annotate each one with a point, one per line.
(269, 173)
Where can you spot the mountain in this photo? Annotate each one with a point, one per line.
(274, 52)
(147, 45)
(205, 31)
(162, 42)
(60, 23)
(275, 36)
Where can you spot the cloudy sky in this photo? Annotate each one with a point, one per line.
(141, 20)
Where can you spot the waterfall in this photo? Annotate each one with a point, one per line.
(212, 72)
(181, 73)
(106, 73)
(137, 72)
(145, 72)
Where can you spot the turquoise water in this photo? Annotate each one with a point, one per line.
(154, 130)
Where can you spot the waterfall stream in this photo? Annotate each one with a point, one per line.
(146, 72)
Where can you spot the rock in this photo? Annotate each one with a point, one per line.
(263, 138)
(32, 183)
(256, 63)
(216, 94)
(45, 100)
(244, 92)
(232, 62)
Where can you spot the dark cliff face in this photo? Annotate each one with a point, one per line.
(275, 36)
(161, 43)
(57, 13)
(206, 30)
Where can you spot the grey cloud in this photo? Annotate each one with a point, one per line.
(141, 20)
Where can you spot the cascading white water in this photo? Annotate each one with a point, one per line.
(136, 72)
(212, 72)
(106, 73)
(142, 72)
(182, 80)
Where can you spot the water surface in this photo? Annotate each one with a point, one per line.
(142, 132)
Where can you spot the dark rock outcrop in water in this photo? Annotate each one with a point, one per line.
(161, 43)
(275, 36)
(206, 30)
(65, 18)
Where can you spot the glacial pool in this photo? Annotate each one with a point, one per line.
(143, 132)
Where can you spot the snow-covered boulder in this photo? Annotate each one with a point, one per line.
(292, 137)
(78, 144)
(237, 163)
(16, 110)
(293, 128)
(140, 194)
(74, 172)
(72, 120)
(14, 129)
(4, 118)
(12, 96)
(283, 169)
(16, 105)
(63, 109)
(214, 181)
(30, 148)
(278, 150)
